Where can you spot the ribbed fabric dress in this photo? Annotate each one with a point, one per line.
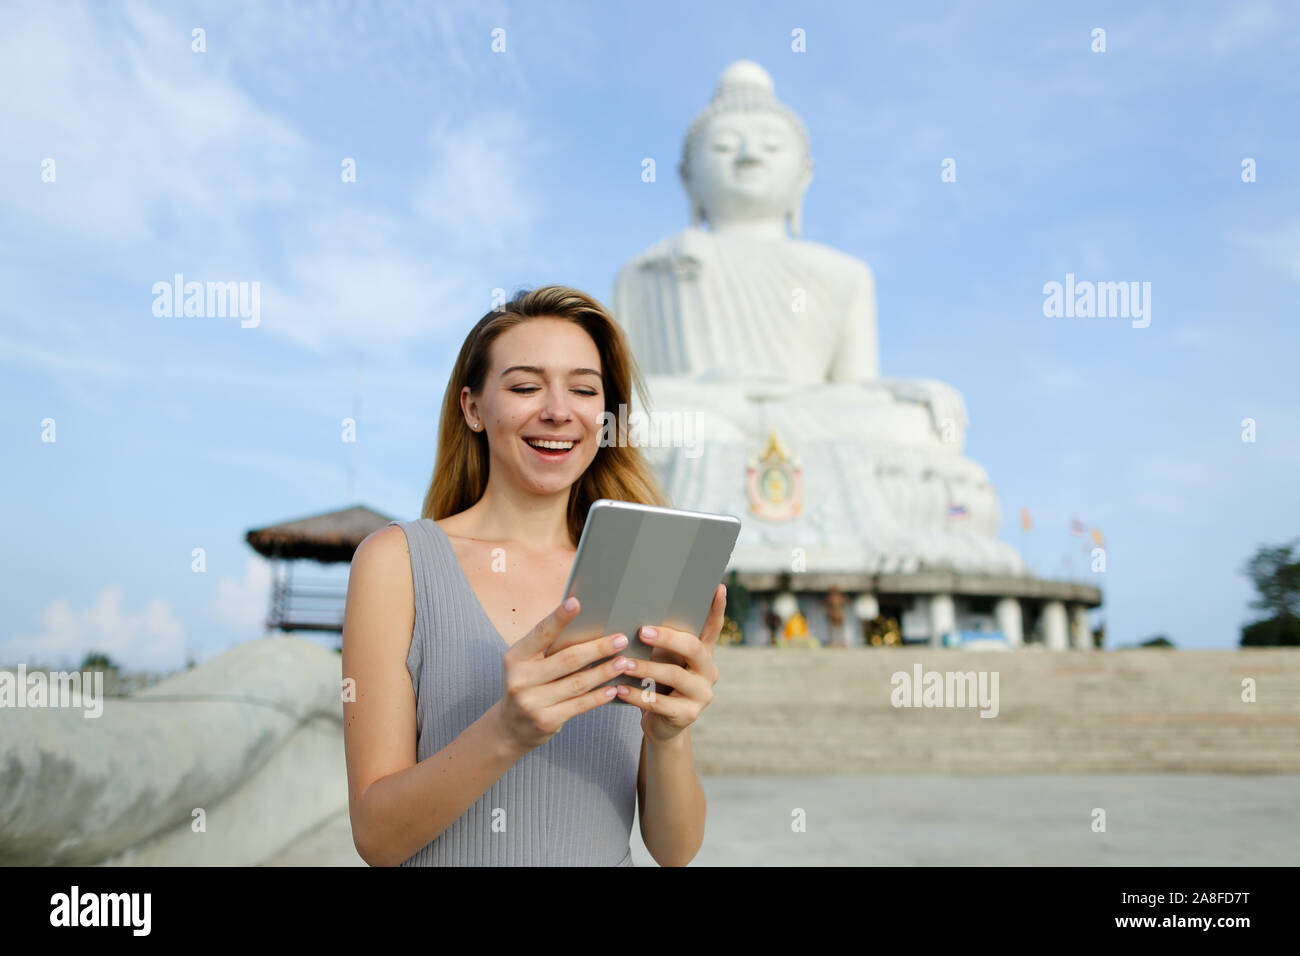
(569, 802)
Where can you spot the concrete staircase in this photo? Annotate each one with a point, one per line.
(829, 711)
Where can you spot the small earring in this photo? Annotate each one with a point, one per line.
(476, 426)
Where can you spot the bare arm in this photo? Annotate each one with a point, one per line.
(396, 804)
(673, 807)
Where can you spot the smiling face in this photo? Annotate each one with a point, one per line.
(542, 388)
(747, 165)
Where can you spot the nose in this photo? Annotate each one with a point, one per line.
(748, 152)
(556, 408)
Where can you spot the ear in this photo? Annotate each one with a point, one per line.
(469, 408)
(697, 214)
(795, 215)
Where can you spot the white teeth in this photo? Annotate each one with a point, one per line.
(555, 445)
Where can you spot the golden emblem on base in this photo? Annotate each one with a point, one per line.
(774, 481)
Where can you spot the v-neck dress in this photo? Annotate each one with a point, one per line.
(569, 802)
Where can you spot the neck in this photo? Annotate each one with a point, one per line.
(758, 228)
(512, 514)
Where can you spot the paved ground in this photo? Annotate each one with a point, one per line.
(925, 820)
(916, 820)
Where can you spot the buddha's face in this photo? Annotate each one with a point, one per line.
(747, 165)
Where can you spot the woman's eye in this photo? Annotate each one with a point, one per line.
(529, 389)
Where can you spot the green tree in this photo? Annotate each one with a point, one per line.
(97, 661)
(1275, 572)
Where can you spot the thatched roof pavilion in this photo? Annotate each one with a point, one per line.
(329, 538)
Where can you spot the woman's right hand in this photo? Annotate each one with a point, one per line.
(541, 692)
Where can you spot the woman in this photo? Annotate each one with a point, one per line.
(466, 744)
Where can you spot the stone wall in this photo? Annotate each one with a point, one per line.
(253, 738)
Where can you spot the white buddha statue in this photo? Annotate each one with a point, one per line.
(750, 330)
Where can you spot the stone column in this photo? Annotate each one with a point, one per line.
(1010, 623)
(1081, 632)
(943, 617)
(1056, 634)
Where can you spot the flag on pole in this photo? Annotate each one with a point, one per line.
(1026, 523)
(1076, 527)
(957, 512)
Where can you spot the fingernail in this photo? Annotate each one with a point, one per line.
(649, 633)
(620, 641)
(570, 603)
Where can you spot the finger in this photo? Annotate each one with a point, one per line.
(678, 712)
(577, 656)
(717, 617)
(576, 684)
(683, 643)
(544, 633)
(589, 701)
(697, 686)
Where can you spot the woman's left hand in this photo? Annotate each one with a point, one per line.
(682, 661)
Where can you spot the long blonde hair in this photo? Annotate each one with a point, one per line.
(619, 471)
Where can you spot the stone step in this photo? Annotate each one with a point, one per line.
(829, 711)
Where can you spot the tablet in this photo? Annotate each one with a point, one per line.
(639, 564)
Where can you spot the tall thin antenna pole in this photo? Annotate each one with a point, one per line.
(356, 435)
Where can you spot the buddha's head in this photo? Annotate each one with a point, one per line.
(746, 155)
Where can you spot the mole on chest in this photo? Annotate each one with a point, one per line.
(516, 598)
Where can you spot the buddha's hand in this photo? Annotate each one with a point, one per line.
(758, 390)
(944, 403)
(681, 662)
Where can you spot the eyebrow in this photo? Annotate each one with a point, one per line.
(538, 371)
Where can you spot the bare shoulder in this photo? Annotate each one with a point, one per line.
(384, 546)
(380, 584)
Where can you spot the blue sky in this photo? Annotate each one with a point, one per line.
(478, 170)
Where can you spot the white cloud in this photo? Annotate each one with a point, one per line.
(476, 188)
(1047, 376)
(1198, 336)
(1244, 25)
(242, 605)
(60, 362)
(145, 134)
(352, 283)
(152, 639)
(162, 158)
(1279, 248)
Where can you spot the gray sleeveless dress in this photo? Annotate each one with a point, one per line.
(569, 802)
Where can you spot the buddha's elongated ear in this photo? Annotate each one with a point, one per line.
(697, 213)
(795, 216)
